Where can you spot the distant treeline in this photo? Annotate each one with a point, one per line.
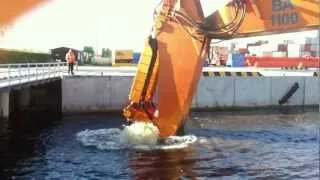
(15, 56)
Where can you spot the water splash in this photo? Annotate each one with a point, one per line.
(141, 133)
(103, 139)
(137, 136)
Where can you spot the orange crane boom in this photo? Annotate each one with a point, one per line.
(10, 10)
(263, 17)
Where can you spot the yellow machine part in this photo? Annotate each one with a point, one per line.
(141, 76)
(141, 107)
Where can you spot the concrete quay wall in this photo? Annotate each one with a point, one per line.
(82, 94)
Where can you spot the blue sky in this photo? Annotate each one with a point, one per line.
(117, 24)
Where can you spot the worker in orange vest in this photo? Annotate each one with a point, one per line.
(71, 60)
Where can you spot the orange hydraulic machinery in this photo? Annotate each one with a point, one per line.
(170, 66)
(10, 10)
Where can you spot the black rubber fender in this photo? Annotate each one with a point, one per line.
(289, 94)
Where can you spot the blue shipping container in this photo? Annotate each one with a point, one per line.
(136, 57)
(236, 60)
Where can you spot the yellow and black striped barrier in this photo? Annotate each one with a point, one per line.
(225, 74)
(294, 68)
(124, 64)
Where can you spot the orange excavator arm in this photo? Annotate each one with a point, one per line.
(170, 66)
(10, 10)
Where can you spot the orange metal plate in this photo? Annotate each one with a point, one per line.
(180, 65)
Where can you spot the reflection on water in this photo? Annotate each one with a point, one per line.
(230, 145)
(161, 165)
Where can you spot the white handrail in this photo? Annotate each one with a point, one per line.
(11, 74)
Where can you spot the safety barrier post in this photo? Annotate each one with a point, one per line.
(19, 70)
(54, 70)
(28, 66)
(9, 79)
(43, 70)
(36, 71)
(48, 70)
(62, 67)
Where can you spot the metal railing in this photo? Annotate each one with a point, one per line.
(11, 74)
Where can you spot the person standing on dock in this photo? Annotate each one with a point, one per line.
(70, 58)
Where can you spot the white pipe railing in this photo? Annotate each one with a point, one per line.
(11, 74)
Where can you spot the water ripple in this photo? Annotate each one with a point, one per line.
(227, 147)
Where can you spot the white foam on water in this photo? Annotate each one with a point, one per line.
(141, 133)
(171, 143)
(104, 139)
(139, 136)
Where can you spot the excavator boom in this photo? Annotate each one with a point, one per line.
(247, 18)
(10, 10)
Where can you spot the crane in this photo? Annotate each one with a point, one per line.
(170, 66)
(257, 43)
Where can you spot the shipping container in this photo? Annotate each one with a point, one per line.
(124, 56)
(280, 62)
(279, 54)
(293, 50)
(282, 47)
(267, 54)
(305, 53)
(219, 55)
(314, 47)
(311, 40)
(102, 61)
(136, 57)
(307, 47)
(236, 60)
(313, 53)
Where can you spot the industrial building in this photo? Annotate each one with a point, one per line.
(59, 54)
